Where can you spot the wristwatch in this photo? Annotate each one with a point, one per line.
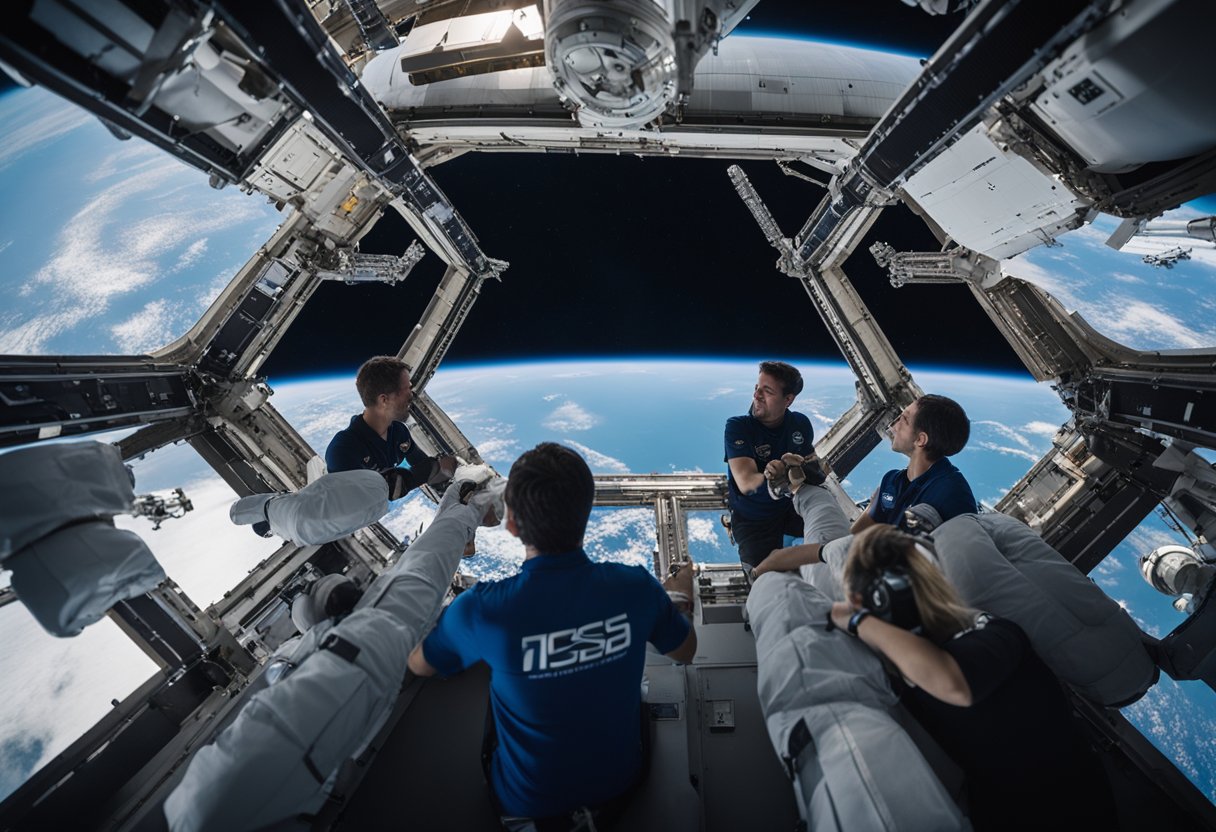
(855, 619)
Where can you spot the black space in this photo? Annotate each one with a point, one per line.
(623, 256)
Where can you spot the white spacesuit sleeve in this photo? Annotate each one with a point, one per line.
(825, 699)
(412, 589)
(325, 510)
(69, 563)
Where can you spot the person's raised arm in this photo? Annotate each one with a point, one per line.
(920, 661)
(747, 477)
(789, 558)
(866, 519)
(418, 664)
(680, 590)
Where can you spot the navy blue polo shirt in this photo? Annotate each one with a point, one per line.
(358, 446)
(565, 640)
(746, 437)
(943, 486)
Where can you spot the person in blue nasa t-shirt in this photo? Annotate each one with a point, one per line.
(377, 438)
(928, 431)
(753, 443)
(565, 641)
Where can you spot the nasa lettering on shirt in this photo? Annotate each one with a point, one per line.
(570, 650)
(887, 499)
(763, 451)
(405, 446)
(796, 437)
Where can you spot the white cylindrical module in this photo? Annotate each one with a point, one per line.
(1176, 570)
(615, 61)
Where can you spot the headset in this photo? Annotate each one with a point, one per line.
(890, 597)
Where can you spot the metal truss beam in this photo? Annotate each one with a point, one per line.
(998, 47)
(695, 491)
(48, 396)
(441, 320)
(884, 385)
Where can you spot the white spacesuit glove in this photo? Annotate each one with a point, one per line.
(776, 478)
(444, 467)
(489, 501)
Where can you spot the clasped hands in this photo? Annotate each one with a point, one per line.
(790, 472)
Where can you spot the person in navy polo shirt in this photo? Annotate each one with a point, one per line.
(754, 442)
(377, 438)
(928, 431)
(565, 641)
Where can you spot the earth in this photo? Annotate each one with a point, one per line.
(134, 246)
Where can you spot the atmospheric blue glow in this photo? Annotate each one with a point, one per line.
(885, 49)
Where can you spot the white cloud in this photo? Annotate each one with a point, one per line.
(1132, 321)
(551, 396)
(1006, 450)
(600, 463)
(622, 536)
(1023, 268)
(32, 120)
(52, 690)
(30, 337)
(703, 530)
(102, 253)
(500, 449)
(318, 428)
(569, 416)
(1041, 428)
(147, 329)
(720, 392)
(208, 293)
(191, 255)
(1005, 431)
(204, 552)
(1123, 277)
(1119, 316)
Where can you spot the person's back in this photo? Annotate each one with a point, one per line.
(566, 642)
(976, 685)
(1017, 737)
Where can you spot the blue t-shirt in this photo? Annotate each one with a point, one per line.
(358, 446)
(746, 437)
(565, 640)
(943, 486)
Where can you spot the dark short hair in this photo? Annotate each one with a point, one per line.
(379, 375)
(550, 491)
(944, 422)
(787, 374)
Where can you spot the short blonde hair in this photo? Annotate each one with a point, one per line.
(882, 547)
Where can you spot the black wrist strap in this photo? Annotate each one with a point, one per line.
(855, 619)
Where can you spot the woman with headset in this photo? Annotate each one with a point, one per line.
(975, 684)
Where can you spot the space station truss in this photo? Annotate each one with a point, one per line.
(256, 96)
